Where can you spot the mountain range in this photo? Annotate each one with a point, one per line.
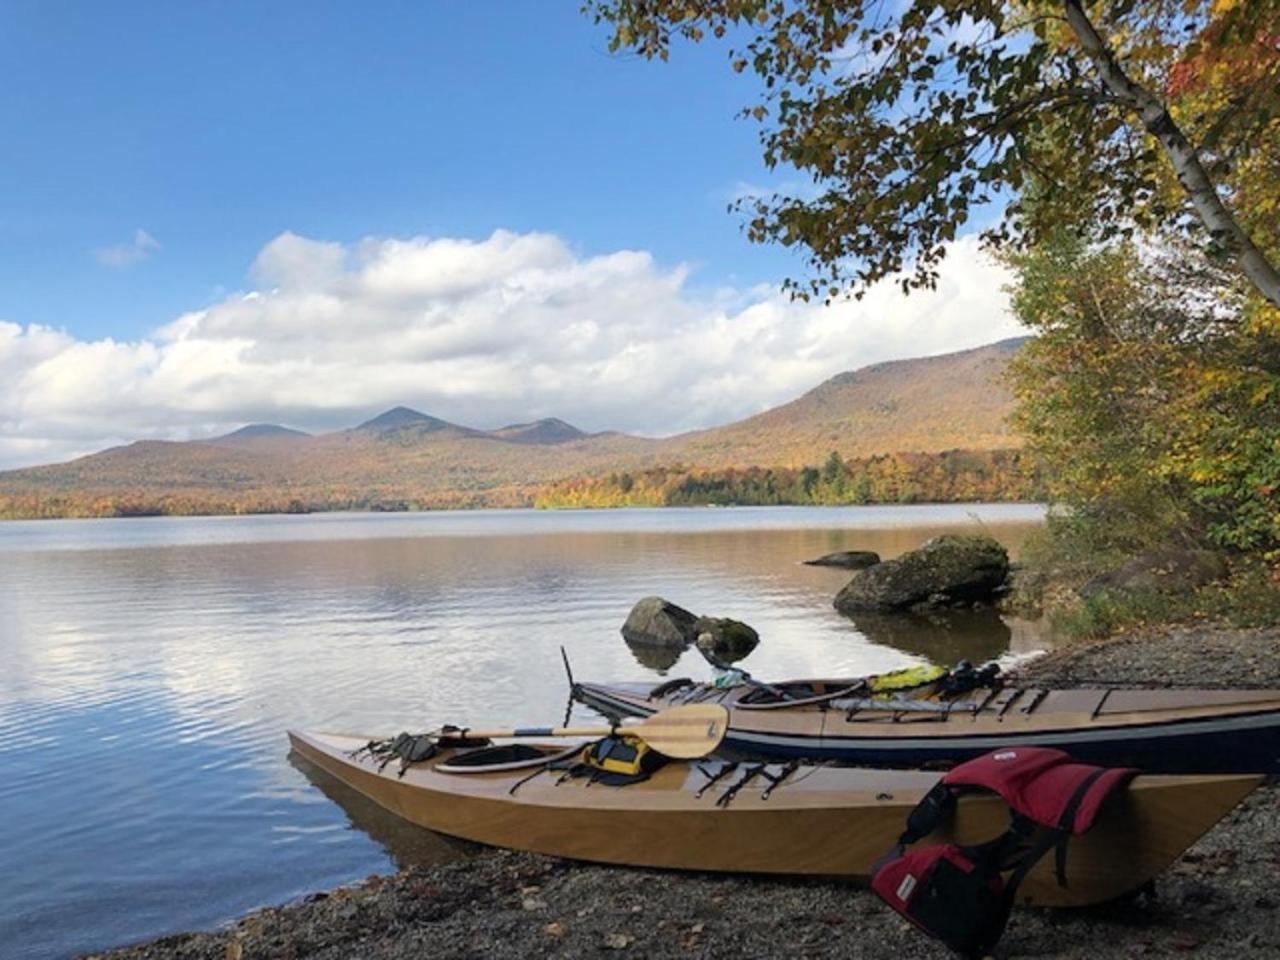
(405, 458)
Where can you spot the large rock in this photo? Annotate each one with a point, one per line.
(725, 639)
(1170, 570)
(847, 559)
(656, 622)
(947, 571)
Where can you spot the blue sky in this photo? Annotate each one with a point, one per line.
(214, 214)
(214, 127)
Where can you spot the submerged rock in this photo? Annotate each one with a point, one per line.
(654, 621)
(726, 639)
(847, 559)
(950, 570)
(1170, 570)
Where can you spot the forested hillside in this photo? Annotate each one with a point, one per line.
(404, 459)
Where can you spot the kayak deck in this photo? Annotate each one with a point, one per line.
(1165, 730)
(816, 820)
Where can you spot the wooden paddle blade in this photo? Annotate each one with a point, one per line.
(684, 732)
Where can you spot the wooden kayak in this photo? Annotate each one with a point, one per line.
(1161, 731)
(814, 820)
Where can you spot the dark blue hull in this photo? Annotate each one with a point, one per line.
(1167, 750)
(1234, 743)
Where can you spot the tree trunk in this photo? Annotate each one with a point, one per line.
(1213, 213)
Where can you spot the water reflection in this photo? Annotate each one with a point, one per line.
(942, 636)
(406, 844)
(654, 656)
(161, 660)
(660, 658)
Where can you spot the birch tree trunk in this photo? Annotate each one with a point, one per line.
(1213, 213)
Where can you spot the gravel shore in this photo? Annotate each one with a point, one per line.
(1222, 899)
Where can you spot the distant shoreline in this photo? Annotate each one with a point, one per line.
(513, 508)
(951, 476)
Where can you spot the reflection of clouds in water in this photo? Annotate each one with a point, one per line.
(379, 634)
(183, 664)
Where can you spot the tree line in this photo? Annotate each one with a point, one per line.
(949, 477)
(191, 503)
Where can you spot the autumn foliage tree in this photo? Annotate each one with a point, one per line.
(911, 117)
(1156, 415)
(953, 476)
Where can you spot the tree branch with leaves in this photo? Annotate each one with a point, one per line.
(912, 119)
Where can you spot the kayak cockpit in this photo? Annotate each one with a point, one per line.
(502, 757)
(797, 693)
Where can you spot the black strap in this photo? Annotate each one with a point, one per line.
(1055, 838)
(991, 859)
(713, 778)
(1068, 818)
(775, 779)
(523, 780)
(1028, 860)
(929, 814)
(750, 774)
(1066, 823)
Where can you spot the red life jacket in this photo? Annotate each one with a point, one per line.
(1043, 785)
(959, 894)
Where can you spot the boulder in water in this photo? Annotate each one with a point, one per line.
(725, 639)
(847, 559)
(656, 622)
(951, 570)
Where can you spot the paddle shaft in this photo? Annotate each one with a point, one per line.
(685, 732)
(535, 732)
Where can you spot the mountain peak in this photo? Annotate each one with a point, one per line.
(397, 417)
(260, 431)
(546, 430)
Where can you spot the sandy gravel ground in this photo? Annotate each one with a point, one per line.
(1221, 900)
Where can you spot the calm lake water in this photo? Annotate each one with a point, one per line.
(151, 666)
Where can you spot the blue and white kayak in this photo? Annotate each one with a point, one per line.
(1166, 731)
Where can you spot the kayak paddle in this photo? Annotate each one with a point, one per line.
(684, 732)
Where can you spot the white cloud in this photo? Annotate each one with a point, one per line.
(127, 254)
(482, 332)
